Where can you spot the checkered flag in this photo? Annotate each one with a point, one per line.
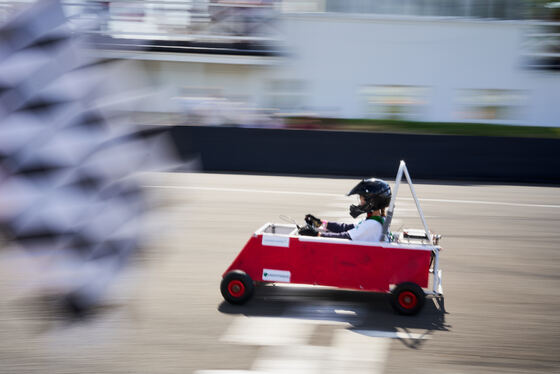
(68, 204)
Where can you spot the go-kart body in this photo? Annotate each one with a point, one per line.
(275, 253)
(399, 263)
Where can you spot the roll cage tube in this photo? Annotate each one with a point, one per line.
(437, 284)
(389, 218)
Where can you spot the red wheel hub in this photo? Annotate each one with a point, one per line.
(236, 288)
(408, 299)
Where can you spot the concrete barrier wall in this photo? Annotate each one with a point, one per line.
(363, 154)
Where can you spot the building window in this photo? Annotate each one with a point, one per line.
(491, 104)
(286, 95)
(486, 9)
(395, 102)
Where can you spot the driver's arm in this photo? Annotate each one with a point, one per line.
(338, 227)
(338, 235)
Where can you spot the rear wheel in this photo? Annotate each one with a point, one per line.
(408, 298)
(237, 287)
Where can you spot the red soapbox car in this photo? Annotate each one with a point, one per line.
(400, 264)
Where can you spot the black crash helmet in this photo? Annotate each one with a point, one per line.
(376, 192)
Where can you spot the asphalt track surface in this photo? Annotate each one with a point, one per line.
(501, 279)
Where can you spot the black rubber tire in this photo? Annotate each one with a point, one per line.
(408, 298)
(237, 287)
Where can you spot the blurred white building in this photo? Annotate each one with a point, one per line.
(490, 61)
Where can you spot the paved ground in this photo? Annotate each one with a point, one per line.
(501, 264)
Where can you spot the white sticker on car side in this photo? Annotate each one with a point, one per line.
(276, 275)
(276, 240)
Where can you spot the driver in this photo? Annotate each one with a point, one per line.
(375, 195)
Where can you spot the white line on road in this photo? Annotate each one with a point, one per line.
(392, 334)
(223, 189)
(226, 372)
(267, 331)
(488, 203)
(296, 359)
(284, 347)
(354, 353)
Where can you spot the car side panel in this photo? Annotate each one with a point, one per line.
(351, 266)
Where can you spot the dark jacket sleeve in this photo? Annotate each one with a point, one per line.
(339, 227)
(339, 235)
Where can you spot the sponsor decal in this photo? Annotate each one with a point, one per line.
(276, 240)
(276, 275)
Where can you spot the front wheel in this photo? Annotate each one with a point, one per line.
(408, 298)
(237, 287)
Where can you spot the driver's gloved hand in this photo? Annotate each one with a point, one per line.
(308, 230)
(313, 221)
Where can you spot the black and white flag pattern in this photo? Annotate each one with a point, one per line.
(67, 203)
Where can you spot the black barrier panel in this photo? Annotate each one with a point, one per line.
(361, 154)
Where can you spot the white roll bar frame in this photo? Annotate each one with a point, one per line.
(437, 286)
(387, 224)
